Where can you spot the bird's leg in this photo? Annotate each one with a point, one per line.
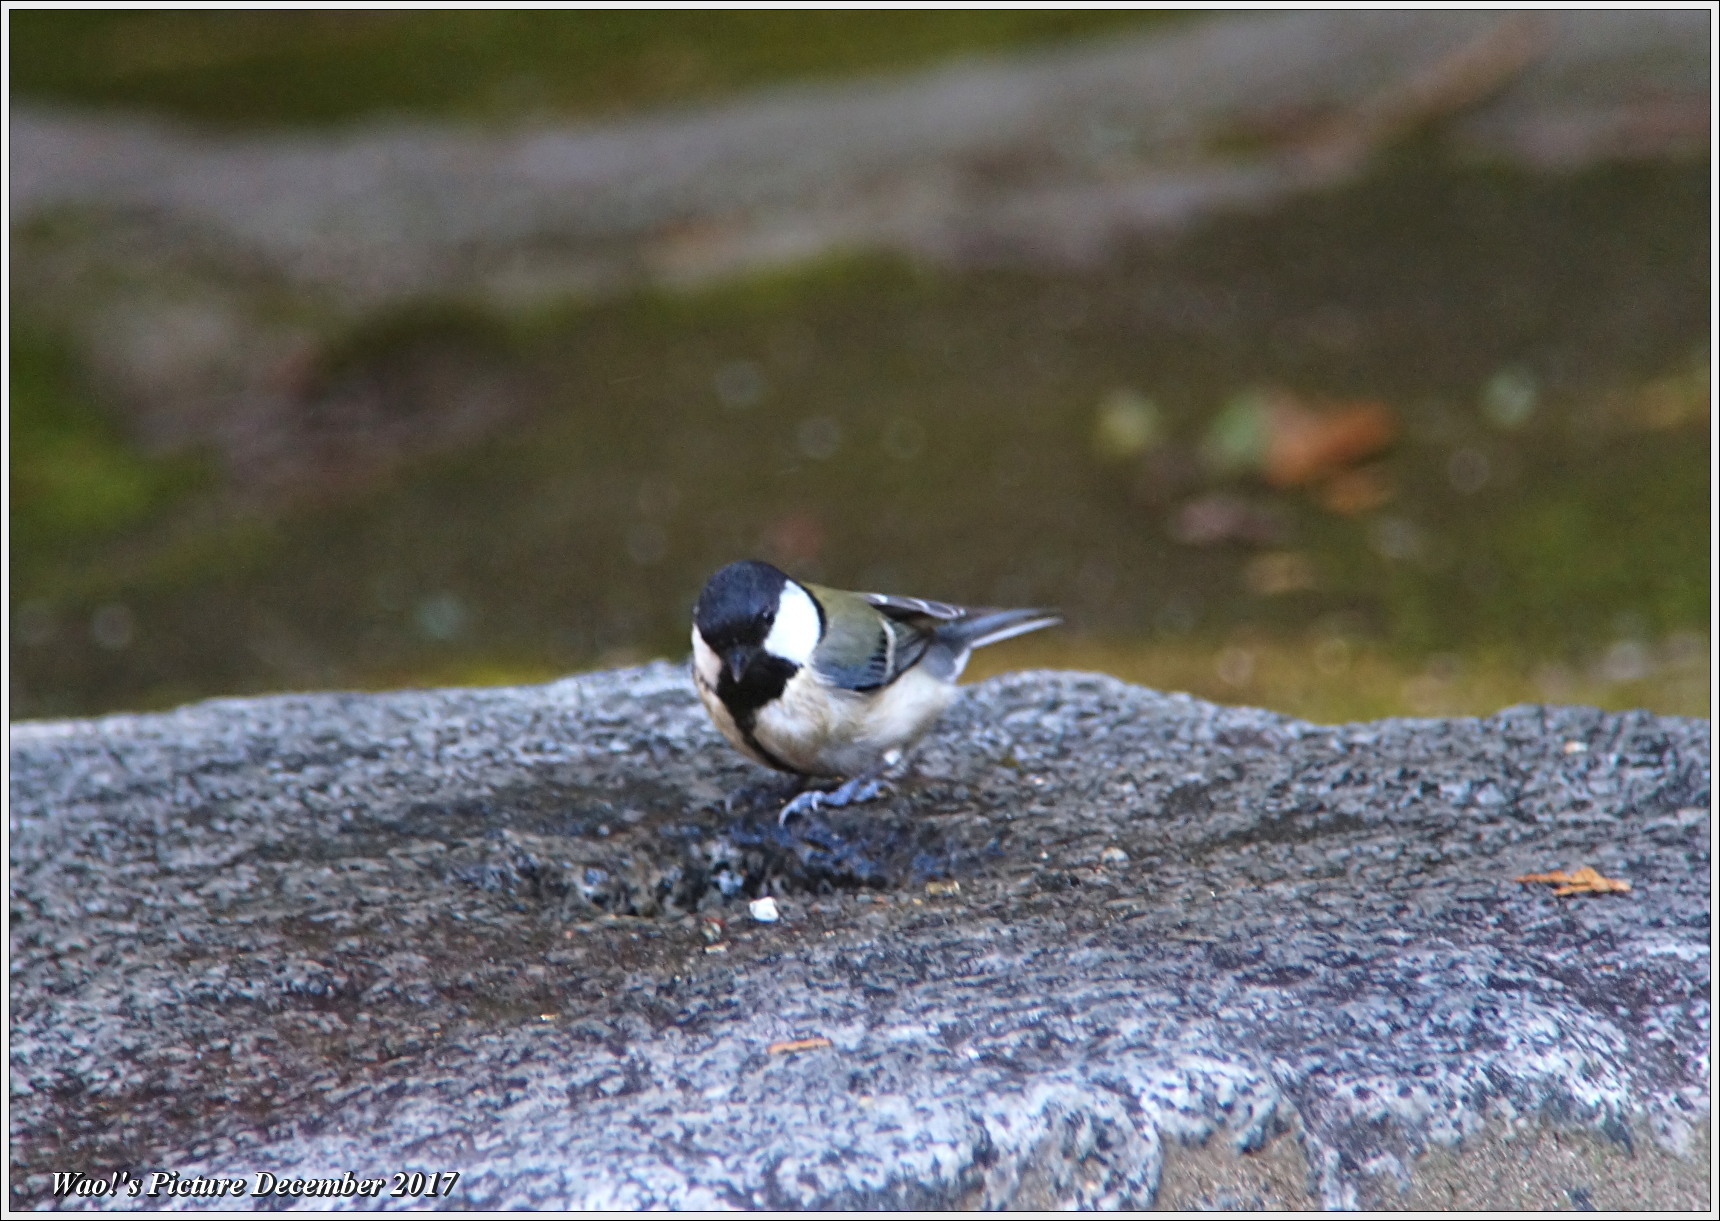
(867, 786)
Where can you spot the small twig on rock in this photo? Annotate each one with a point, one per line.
(786, 1046)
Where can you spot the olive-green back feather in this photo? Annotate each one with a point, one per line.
(863, 649)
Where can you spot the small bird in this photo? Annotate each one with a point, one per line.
(822, 683)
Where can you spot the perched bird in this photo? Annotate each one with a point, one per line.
(825, 683)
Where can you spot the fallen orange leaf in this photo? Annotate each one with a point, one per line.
(787, 1045)
(1584, 881)
(1305, 445)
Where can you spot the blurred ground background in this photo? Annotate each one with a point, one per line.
(1348, 364)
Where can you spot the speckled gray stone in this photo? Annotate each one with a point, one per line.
(505, 933)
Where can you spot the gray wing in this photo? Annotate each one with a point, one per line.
(946, 633)
(908, 609)
(964, 626)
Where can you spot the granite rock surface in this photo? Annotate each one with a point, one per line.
(1100, 947)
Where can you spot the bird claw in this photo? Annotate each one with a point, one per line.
(850, 792)
(806, 803)
(856, 791)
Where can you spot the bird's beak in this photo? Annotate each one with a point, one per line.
(736, 661)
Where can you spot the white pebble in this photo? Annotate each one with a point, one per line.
(764, 910)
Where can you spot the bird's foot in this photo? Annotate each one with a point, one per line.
(849, 792)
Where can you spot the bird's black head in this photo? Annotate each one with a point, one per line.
(761, 626)
(738, 605)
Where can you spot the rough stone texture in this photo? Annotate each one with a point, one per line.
(504, 932)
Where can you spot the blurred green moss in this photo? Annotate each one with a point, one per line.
(1589, 534)
(74, 477)
(1588, 540)
(259, 67)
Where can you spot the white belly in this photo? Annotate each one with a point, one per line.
(823, 731)
(832, 732)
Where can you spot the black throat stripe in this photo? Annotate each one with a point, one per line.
(765, 680)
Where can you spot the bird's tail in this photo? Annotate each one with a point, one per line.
(988, 627)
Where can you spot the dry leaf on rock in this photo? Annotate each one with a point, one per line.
(1585, 881)
(814, 1043)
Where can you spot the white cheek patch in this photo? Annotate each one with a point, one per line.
(794, 633)
(705, 661)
